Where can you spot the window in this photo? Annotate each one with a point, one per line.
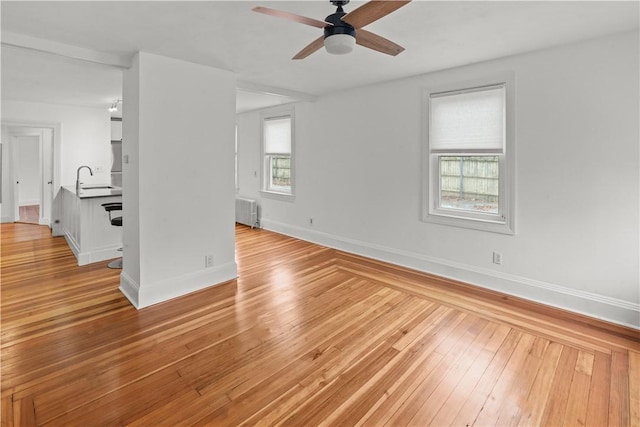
(469, 157)
(278, 160)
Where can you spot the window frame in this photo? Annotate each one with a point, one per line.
(237, 172)
(432, 211)
(266, 163)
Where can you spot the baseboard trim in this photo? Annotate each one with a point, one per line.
(163, 290)
(73, 245)
(96, 255)
(586, 303)
(129, 288)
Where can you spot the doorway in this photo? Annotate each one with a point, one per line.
(26, 150)
(29, 163)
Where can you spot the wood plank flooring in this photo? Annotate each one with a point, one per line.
(305, 336)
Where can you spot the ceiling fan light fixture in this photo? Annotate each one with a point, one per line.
(339, 44)
(114, 105)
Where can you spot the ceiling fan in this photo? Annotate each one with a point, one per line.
(343, 30)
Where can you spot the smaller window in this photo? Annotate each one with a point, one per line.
(278, 161)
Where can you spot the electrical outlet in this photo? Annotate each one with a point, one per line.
(497, 258)
(208, 261)
(98, 169)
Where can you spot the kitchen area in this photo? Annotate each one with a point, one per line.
(165, 256)
(90, 214)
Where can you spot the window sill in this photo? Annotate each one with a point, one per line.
(285, 197)
(474, 224)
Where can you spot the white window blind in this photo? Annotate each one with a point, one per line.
(468, 121)
(277, 135)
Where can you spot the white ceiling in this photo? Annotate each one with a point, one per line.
(258, 48)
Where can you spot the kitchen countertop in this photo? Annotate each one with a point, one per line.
(88, 192)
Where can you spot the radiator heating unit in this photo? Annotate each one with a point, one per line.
(247, 212)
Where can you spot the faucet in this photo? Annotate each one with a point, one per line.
(78, 177)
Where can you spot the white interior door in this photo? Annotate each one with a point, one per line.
(15, 176)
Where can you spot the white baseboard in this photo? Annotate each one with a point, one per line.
(590, 304)
(129, 288)
(95, 255)
(29, 202)
(73, 245)
(166, 289)
(5, 219)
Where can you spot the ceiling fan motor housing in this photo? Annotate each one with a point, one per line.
(339, 26)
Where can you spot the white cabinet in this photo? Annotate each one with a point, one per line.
(116, 129)
(116, 156)
(86, 227)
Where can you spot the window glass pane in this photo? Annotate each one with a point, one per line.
(277, 135)
(280, 173)
(469, 183)
(468, 121)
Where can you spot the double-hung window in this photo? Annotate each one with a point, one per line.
(469, 157)
(278, 160)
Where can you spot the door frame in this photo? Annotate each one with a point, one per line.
(15, 150)
(56, 129)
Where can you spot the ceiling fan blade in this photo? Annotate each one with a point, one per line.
(310, 48)
(291, 16)
(372, 11)
(373, 41)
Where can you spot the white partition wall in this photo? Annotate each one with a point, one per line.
(178, 178)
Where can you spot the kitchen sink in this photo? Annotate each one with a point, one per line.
(96, 187)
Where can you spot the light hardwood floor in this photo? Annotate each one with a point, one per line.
(306, 336)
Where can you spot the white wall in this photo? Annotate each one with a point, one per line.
(84, 140)
(358, 172)
(178, 198)
(7, 203)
